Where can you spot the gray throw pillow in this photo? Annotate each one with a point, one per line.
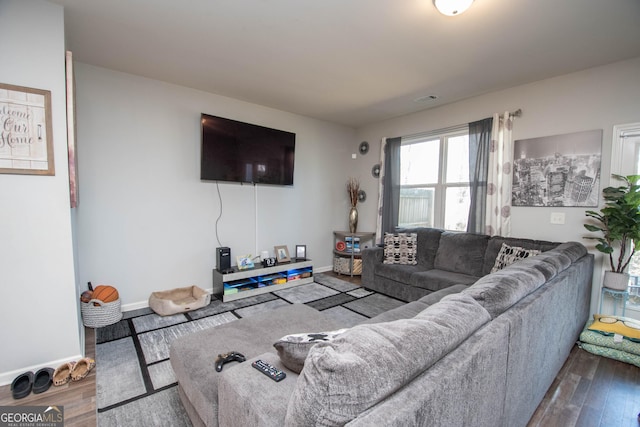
(400, 248)
(510, 254)
(293, 349)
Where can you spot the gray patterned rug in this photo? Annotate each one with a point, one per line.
(135, 383)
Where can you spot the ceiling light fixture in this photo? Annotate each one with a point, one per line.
(452, 7)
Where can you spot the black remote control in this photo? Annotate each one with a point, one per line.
(269, 370)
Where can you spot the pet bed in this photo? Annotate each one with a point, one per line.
(602, 343)
(178, 300)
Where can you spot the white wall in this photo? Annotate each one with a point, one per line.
(598, 98)
(38, 303)
(146, 221)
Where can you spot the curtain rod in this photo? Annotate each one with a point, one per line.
(450, 129)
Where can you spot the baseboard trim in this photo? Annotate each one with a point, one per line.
(8, 377)
(145, 304)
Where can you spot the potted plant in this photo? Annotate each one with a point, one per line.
(619, 223)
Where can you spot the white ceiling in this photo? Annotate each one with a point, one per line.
(350, 61)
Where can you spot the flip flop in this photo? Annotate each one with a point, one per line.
(21, 385)
(82, 368)
(62, 374)
(43, 380)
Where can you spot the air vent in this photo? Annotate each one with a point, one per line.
(426, 98)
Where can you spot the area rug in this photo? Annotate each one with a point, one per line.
(134, 380)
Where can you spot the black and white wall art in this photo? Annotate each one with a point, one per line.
(559, 170)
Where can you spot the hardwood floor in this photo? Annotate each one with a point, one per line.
(78, 398)
(588, 391)
(591, 390)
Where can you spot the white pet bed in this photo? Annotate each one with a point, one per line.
(179, 300)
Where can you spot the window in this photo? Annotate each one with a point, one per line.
(434, 181)
(628, 155)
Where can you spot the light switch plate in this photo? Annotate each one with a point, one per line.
(557, 217)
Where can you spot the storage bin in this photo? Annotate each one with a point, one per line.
(341, 265)
(102, 314)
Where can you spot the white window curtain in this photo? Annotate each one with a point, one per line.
(499, 179)
(380, 193)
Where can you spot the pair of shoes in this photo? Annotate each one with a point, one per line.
(73, 371)
(23, 384)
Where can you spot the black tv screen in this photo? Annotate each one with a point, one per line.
(242, 152)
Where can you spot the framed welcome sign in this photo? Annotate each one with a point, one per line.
(26, 141)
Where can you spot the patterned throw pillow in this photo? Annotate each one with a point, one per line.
(400, 248)
(510, 254)
(293, 349)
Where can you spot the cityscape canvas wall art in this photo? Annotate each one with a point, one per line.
(559, 170)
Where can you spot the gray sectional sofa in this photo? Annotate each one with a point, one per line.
(444, 258)
(481, 354)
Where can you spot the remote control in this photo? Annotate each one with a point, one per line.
(269, 370)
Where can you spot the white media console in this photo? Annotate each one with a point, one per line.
(245, 283)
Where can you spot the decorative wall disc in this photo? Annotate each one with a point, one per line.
(364, 147)
(362, 196)
(375, 171)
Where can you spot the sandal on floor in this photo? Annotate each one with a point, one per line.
(21, 385)
(82, 368)
(62, 374)
(42, 380)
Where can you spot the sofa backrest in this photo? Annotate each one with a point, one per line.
(428, 240)
(461, 253)
(464, 388)
(543, 327)
(369, 363)
(499, 291)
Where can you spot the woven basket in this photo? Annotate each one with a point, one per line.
(341, 265)
(105, 313)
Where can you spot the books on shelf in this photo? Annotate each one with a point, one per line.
(352, 243)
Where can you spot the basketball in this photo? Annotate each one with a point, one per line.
(105, 293)
(86, 296)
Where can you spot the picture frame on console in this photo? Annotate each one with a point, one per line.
(282, 254)
(301, 252)
(244, 262)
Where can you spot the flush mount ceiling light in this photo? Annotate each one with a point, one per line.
(452, 7)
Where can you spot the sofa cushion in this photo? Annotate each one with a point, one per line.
(557, 259)
(400, 248)
(368, 363)
(510, 254)
(399, 273)
(411, 309)
(461, 253)
(573, 250)
(428, 242)
(293, 349)
(436, 279)
(495, 244)
(502, 289)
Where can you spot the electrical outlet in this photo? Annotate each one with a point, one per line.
(557, 217)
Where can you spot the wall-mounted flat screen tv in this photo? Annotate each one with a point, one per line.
(242, 152)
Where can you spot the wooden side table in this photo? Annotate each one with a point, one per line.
(615, 295)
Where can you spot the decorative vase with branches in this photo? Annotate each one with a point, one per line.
(353, 187)
(618, 222)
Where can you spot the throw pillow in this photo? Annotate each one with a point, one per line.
(293, 349)
(609, 325)
(400, 248)
(510, 254)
